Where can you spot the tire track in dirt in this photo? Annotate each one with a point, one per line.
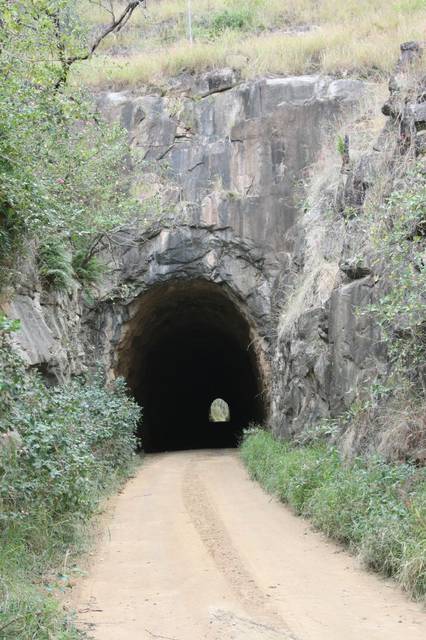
(212, 531)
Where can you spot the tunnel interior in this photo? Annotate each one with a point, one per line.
(188, 344)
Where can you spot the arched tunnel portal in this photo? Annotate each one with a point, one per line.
(187, 344)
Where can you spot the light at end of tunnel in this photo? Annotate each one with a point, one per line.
(219, 411)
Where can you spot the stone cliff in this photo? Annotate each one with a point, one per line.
(235, 258)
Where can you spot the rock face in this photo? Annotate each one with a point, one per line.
(226, 159)
(50, 336)
(233, 154)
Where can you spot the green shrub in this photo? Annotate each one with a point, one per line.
(26, 612)
(61, 449)
(346, 505)
(70, 438)
(58, 263)
(412, 571)
(377, 509)
(63, 168)
(231, 19)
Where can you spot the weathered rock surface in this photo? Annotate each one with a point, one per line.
(50, 338)
(236, 154)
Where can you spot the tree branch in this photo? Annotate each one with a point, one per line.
(116, 24)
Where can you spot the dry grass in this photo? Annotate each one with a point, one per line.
(404, 427)
(394, 428)
(356, 36)
(272, 12)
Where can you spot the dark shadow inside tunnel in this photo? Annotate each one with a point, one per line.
(188, 344)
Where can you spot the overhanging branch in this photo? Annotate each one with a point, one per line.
(116, 25)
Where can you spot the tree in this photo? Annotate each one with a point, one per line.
(63, 170)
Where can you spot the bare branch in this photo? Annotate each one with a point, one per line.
(115, 26)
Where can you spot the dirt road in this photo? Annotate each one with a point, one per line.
(195, 550)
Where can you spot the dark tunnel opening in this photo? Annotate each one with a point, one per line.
(187, 345)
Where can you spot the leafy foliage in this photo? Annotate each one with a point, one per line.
(235, 19)
(399, 232)
(61, 449)
(376, 508)
(54, 264)
(62, 167)
(59, 444)
(88, 269)
(68, 439)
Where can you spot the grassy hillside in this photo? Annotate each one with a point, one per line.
(359, 37)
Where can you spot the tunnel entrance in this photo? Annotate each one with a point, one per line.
(188, 344)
